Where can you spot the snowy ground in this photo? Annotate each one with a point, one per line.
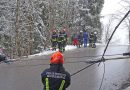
(67, 48)
(24, 74)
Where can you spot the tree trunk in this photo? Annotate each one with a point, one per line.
(17, 41)
(30, 34)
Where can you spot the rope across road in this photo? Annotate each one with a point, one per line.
(88, 61)
(46, 59)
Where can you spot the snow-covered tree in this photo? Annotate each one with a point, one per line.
(26, 24)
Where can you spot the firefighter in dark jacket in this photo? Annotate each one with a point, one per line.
(65, 36)
(80, 39)
(92, 40)
(61, 41)
(54, 40)
(56, 78)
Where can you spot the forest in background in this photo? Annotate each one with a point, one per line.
(26, 24)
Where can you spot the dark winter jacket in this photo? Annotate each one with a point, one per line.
(54, 37)
(55, 78)
(61, 37)
(65, 35)
(2, 57)
(80, 37)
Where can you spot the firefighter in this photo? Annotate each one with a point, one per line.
(92, 39)
(56, 78)
(54, 40)
(95, 39)
(65, 37)
(80, 39)
(62, 41)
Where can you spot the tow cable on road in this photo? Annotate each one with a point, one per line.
(102, 58)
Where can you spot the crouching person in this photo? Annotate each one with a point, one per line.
(2, 57)
(56, 78)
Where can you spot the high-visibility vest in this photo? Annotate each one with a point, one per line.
(54, 37)
(47, 84)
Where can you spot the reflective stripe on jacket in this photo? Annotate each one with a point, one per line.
(55, 78)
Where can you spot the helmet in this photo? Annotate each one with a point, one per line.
(63, 30)
(57, 58)
(81, 31)
(92, 33)
(95, 32)
(54, 30)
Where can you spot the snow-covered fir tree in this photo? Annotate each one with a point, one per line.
(26, 24)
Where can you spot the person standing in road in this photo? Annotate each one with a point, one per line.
(75, 39)
(92, 40)
(85, 38)
(54, 39)
(65, 36)
(62, 40)
(80, 39)
(95, 39)
(56, 78)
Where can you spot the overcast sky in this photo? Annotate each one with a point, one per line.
(110, 7)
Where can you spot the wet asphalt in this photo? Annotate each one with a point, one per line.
(24, 74)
